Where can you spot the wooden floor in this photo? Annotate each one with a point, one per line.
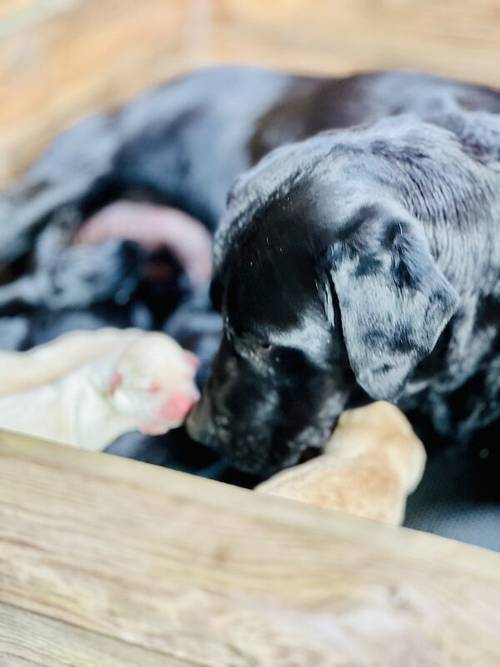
(60, 59)
(106, 562)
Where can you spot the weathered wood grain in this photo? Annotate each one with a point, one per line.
(220, 576)
(30, 639)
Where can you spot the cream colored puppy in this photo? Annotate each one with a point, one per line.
(43, 364)
(146, 383)
(372, 462)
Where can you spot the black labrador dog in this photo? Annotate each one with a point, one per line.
(358, 260)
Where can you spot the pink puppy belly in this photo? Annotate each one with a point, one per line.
(153, 227)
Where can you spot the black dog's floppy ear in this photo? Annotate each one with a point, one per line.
(394, 300)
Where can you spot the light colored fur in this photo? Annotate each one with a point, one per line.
(20, 371)
(370, 465)
(127, 385)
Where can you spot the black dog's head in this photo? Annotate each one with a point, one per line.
(325, 288)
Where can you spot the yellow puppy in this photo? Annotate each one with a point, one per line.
(145, 383)
(45, 363)
(370, 465)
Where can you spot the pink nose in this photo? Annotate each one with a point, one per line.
(177, 407)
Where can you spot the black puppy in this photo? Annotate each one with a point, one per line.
(79, 277)
(62, 276)
(364, 259)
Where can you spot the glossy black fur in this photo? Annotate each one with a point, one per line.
(357, 264)
(368, 259)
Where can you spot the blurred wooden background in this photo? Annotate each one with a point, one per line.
(61, 59)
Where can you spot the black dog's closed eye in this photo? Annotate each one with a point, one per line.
(259, 353)
(256, 348)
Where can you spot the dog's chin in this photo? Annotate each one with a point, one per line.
(259, 461)
(253, 455)
(249, 455)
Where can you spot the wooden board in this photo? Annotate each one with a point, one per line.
(61, 59)
(190, 571)
(30, 639)
(455, 38)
